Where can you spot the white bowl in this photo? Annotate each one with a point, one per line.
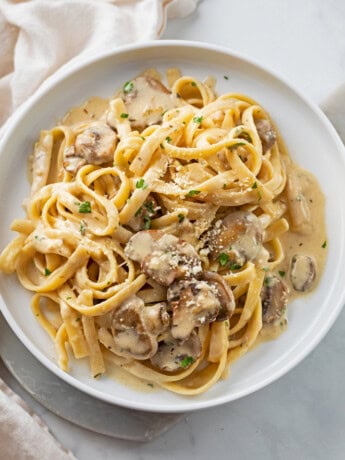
(312, 142)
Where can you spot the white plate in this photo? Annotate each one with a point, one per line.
(311, 140)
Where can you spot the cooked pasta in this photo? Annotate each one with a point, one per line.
(159, 231)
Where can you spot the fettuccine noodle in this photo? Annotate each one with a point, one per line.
(153, 235)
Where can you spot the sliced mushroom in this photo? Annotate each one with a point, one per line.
(146, 101)
(224, 294)
(135, 328)
(274, 298)
(266, 133)
(163, 257)
(173, 355)
(156, 318)
(143, 216)
(95, 145)
(302, 272)
(236, 239)
(193, 303)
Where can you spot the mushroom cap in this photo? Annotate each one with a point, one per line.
(274, 298)
(135, 327)
(239, 235)
(146, 100)
(266, 133)
(225, 295)
(193, 303)
(162, 256)
(302, 272)
(173, 355)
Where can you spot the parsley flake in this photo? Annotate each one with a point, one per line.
(234, 146)
(255, 185)
(85, 207)
(128, 87)
(226, 77)
(193, 192)
(162, 146)
(324, 244)
(150, 207)
(281, 273)
(147, 222)
(168, 139)
(235, 266)
(141, 184)
(97, 375)
(186, 362)
(47, 272)
(124, 115)
(138, 212)
(198, 120)
(225, 186)
(181, 217)
(223, 259)
(193, 83)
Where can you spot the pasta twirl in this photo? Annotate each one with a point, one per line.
(165, 232)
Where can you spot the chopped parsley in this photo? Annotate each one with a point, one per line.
(235, 266)
(128, 87)
(225, 186)
(162, 146)
(198, 120)
(324, 244)
(246, 136)
(138, 212)
(141, 184)
(150, 385)
(143, 138)
(150, 207)
(193, 192)
(255, 185)
(234, 146)
(97, 375)
(226, 77)
(181, 217)
(281, 273)
(47, 272)
(82, 227)
(259, 196)
(193, 83)
(147, 222)
(223, 259)
(187, 361)
(124, 115)
(68, 298)
(168, 139)
(85, 207)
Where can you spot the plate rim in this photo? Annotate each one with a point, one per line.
(188, 404)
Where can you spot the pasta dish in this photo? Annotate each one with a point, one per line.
(166, 231)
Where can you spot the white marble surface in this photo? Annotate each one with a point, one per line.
(302, 416)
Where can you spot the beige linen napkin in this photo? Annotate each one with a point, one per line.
(37, 38)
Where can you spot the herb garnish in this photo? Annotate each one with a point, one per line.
(141, 184)
(124, 115)
(187, 361)
(47, 272)
(168, 139)
(128, 87)
(138, 212)
(223, 259)
(193, 83)
(324, 244)
(193, 192)
(226, 77)
(85, 207)
(181, 217)
(97, 375)
(82, 227)
(255, 185)
(234, 146)
(150, 207)
(198, 120)
(281, 273)
(147, 222)
(235, 266)
(161, 146)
